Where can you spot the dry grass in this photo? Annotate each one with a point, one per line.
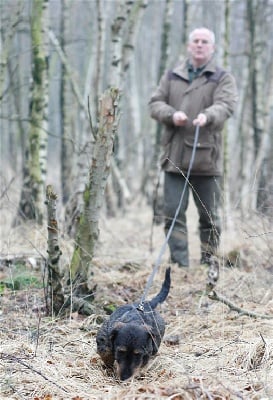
(209, 352)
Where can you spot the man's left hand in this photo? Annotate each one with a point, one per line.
(201, 120)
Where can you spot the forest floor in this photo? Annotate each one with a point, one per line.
(209, 351)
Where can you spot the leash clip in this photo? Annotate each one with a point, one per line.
(140, 307)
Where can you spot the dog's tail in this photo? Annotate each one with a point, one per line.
(165, 288)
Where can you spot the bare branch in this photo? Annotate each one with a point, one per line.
(92, 128)
(214, 296)
(65, 61)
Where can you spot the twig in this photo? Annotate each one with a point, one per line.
(7, 188)
(38, 336)
(64, 60)
(93, 130)
(214, 296)
(264, 342)
(258, 234)
(16, 359)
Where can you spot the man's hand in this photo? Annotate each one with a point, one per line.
(180, 118)
(201, 120)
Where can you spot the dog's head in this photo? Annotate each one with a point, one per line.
(132, 346)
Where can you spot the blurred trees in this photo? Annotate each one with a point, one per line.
(82, 57)
(31, 205)
(260, 97)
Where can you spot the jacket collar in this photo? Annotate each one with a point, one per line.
(182, 69)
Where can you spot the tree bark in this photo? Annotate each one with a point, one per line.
(124, 31)
(32, 195)
(226, 167)
(8, 30)
(67, 109)
(260, 106)
(157, 199)
(88, 231)
(185, 33)
(164, 58)
(135, 15)
(117, 34)
(255, 146)
(98, 81)
(55, 291)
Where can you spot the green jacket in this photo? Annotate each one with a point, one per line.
(213, 93)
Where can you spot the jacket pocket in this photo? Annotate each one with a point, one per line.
(167, 136)
(204, 160)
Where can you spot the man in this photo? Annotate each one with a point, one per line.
(197, 92)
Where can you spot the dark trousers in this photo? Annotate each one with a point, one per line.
(206, 192)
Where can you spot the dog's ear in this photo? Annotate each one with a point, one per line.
(116, 327)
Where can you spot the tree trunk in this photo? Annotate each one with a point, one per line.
(185, 32)
(67, 112)
(255, 146)
(55, 291)
(88, 231)
(157, 199)
(15, 83)
(117, 35)
(226, 167)
(260, 106)
(44, 126)
(8, 30)
(100, 60)
(135, 14)
(262, 196)
(124, 31)
(32, 196)
(164, 58)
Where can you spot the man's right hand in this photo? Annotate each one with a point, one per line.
(180, 118)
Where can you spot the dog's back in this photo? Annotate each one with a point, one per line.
(134, 329)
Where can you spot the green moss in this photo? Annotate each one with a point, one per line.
(86, 196)
(37, 73)
(20, 282)
(75, 262)
(110, 308)
(21, 276)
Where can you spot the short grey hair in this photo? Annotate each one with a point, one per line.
(211, 33)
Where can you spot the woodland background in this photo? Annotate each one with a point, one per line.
(85, 47)
(58, 58)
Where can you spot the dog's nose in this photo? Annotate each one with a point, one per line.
(125, 375)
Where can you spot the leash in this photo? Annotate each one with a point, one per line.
(163, 248)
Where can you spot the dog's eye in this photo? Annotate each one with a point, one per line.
(137, 352)
(122, 349)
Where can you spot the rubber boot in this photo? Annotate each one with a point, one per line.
(178, 246)
(207, 251)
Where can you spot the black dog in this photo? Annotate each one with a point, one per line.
(133, 334)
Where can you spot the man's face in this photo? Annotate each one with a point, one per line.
(200, 47)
